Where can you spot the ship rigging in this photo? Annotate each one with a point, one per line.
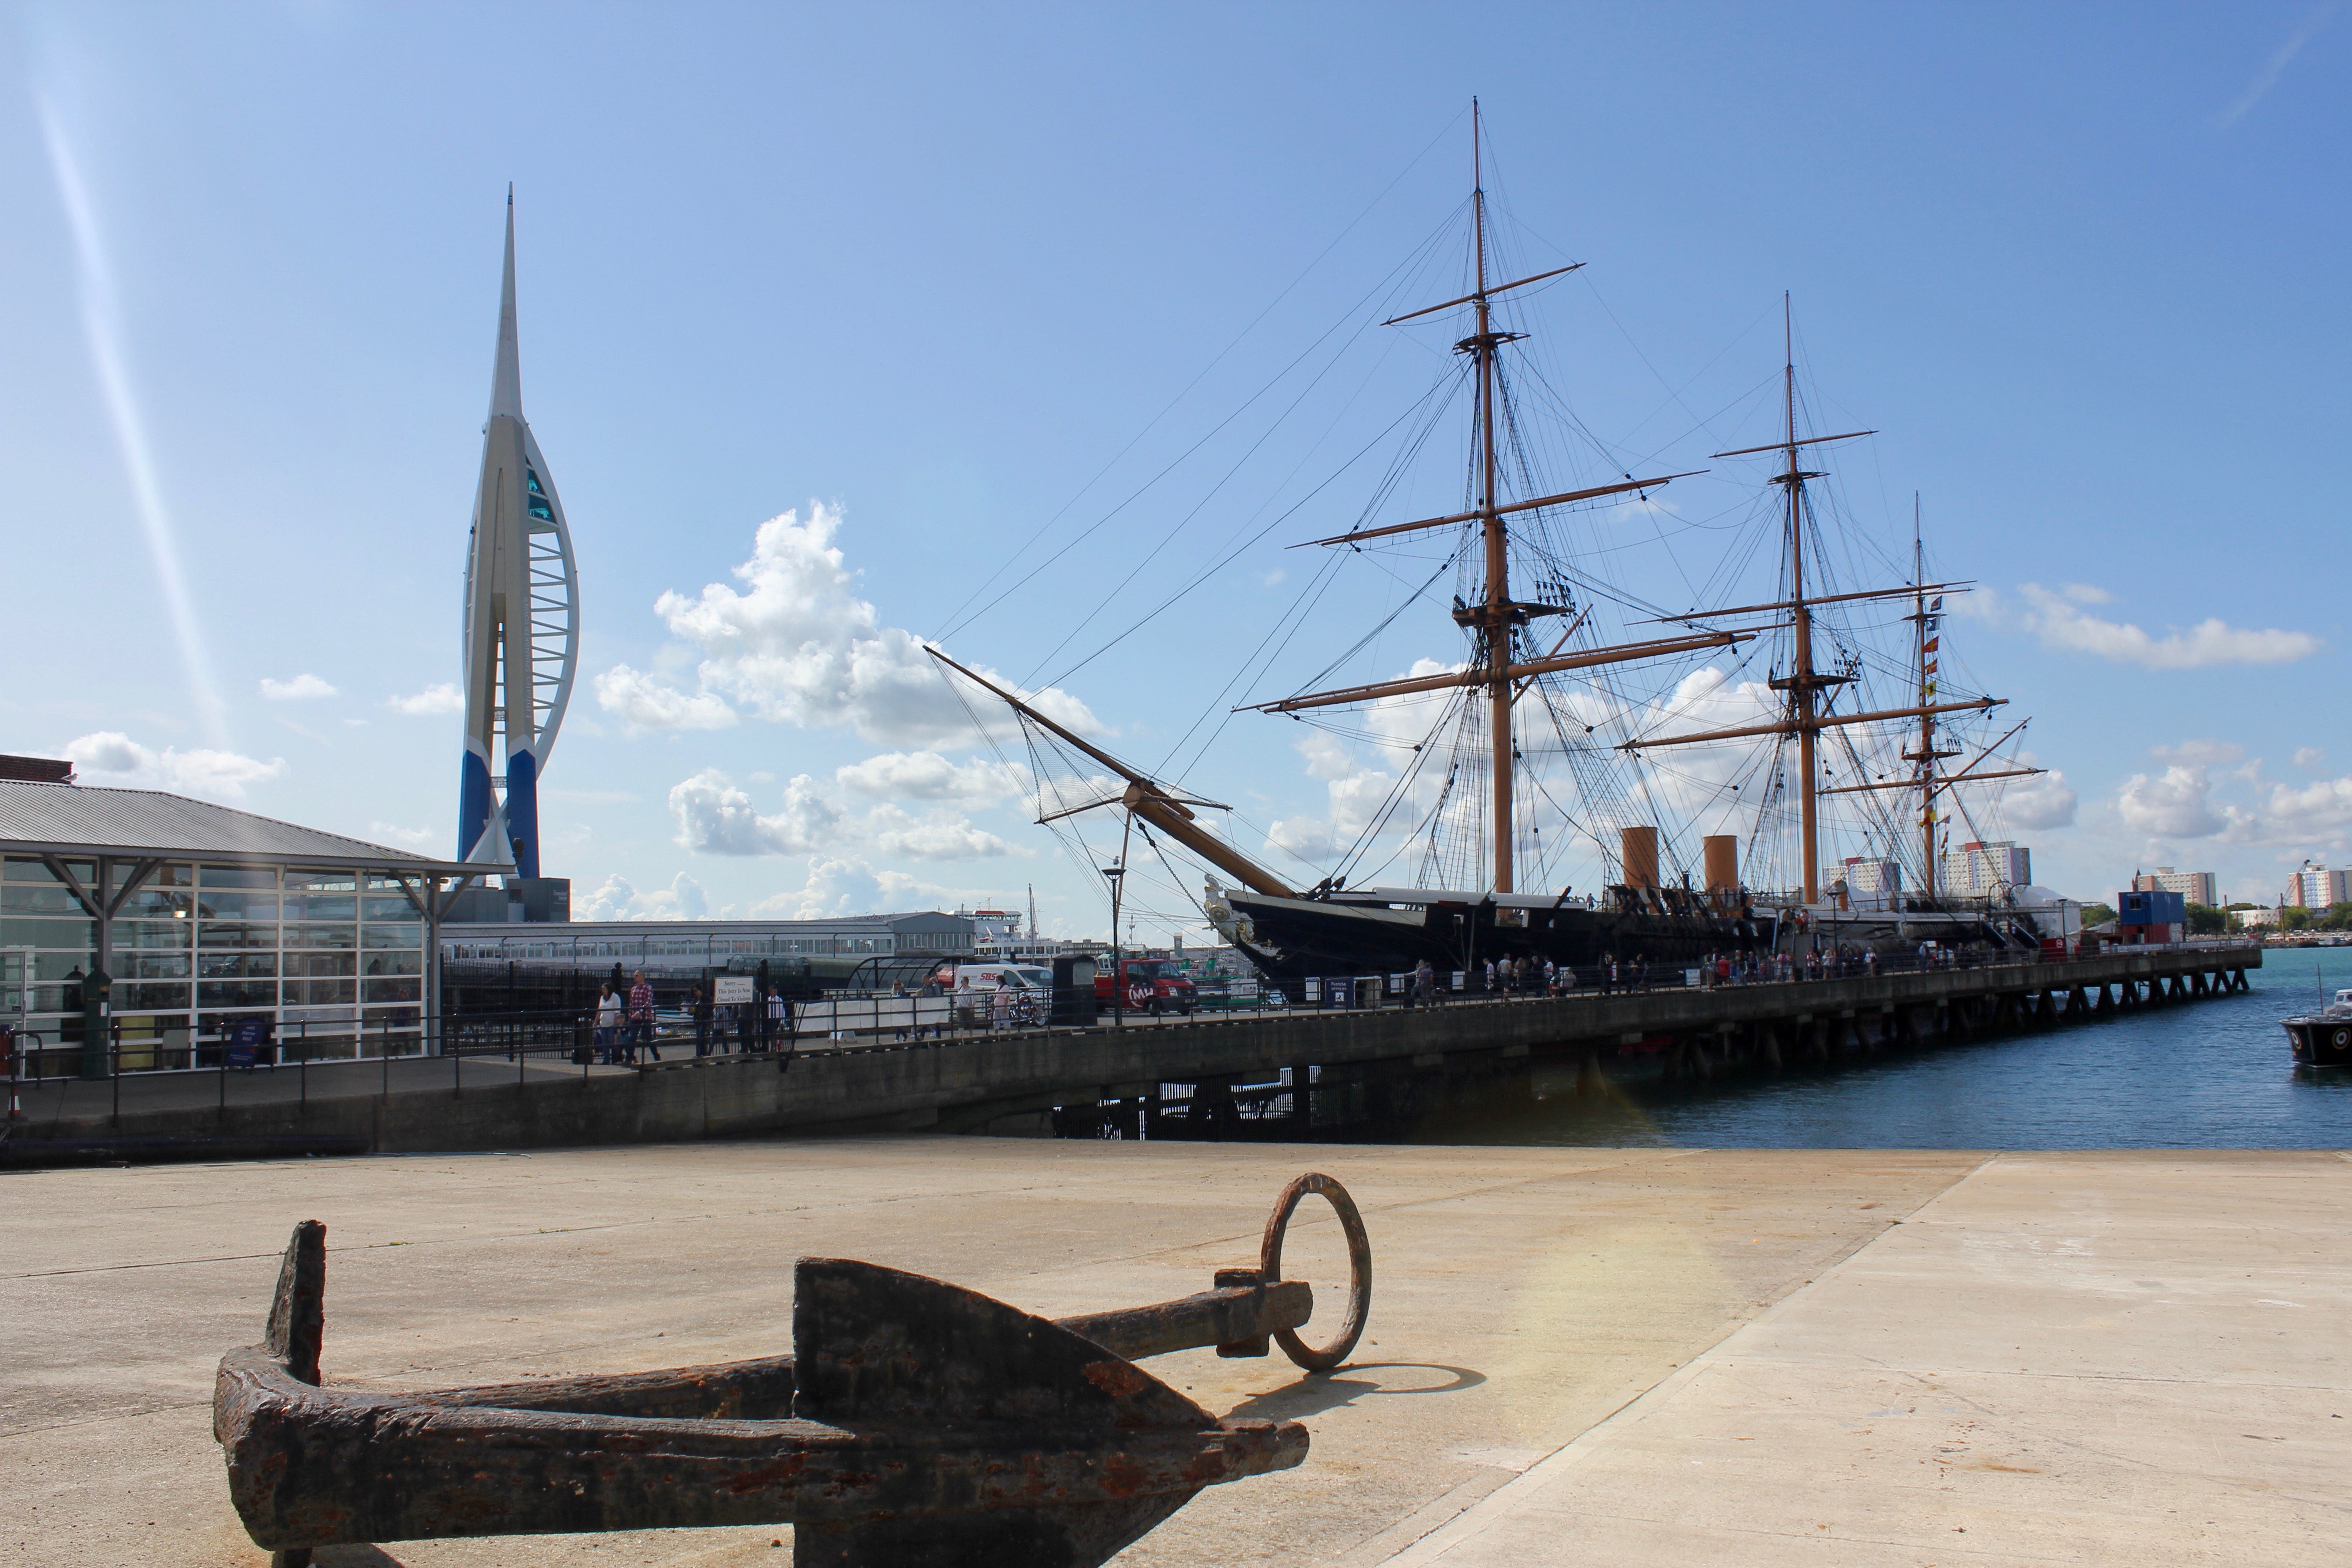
(1476, 790)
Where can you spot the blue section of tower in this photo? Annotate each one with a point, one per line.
(522, 811)
(473, 802)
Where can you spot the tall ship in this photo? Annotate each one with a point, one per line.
(1581, 724)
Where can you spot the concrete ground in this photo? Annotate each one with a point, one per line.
(1930, 1358)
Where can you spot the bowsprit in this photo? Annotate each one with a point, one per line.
(917, 1424)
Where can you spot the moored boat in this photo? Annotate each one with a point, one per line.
(2323, 1039)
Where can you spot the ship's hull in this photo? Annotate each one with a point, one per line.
(1291, 939)
(2320, 1042)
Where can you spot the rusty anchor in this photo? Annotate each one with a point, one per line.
(917, 1424)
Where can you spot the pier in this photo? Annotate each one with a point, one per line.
(1289, 1075)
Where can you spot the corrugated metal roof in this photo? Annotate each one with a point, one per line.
(78, 819)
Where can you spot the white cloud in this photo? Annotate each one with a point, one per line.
(2055, 619)
(1308, 837)
(642, 702)
(2310, 758)
(616, 900)
(927, 775)
(2180, 804)
(2087, 594)
(120, 760)
(714, 818)
(2312, 812)
(796, 644)
(443, 698)
(301, 688)
(2040, 803)
(843, 886)
(392, 833)
(936, 834)
(2267, 78)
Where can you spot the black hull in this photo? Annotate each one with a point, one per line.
(2320, 1042)
(1291, 939)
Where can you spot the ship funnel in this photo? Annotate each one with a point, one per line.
(1721, 854)
(1641, 852)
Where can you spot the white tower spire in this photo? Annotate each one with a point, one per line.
(522, 619)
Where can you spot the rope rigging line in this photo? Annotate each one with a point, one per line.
(1153, 423)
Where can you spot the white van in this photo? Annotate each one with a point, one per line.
(988, 976)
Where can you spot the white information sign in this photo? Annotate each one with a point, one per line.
(732, 990)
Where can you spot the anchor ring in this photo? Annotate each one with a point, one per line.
(1359, 1270)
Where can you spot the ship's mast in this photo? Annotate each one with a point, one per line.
(1498, 568)
(1926, 719)
(1806, 716)
(1801, 678)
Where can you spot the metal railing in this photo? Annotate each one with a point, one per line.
(571, 1039)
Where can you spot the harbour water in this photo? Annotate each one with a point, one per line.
(2211, 1074)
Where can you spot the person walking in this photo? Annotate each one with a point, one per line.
(641, 1018)
(1424, 984)
(780, 1015)
(608, 1024)
(699, 1009)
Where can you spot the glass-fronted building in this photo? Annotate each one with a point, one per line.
(595, 944)
(205, 918)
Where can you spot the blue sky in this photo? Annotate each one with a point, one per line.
(918, 276)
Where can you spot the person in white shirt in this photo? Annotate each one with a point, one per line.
(608, 1023)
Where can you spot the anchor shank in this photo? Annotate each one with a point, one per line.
(1222, 1317)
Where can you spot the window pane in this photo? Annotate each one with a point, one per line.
(59, 966)
(36, 871)
(394, 990)
(237, 993)
(376, 907)
(152, 933)
(53, 899)
(322, 907)
(80, 935)
(154, 904)
(394, 963)
(321, 993)
(211, 935)
(153, 965)
(237, 877)
(143, 995)
(398, 936)
(321, 963)
(238, 905)
(322, 936)
(231, 965)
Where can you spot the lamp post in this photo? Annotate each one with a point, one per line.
(1117, 875)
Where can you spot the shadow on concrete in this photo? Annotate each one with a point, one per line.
(1321, 1391)
(353, 1557)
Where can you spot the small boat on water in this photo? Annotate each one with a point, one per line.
(2323, 1039)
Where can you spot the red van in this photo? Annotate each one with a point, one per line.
(1150, 985)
